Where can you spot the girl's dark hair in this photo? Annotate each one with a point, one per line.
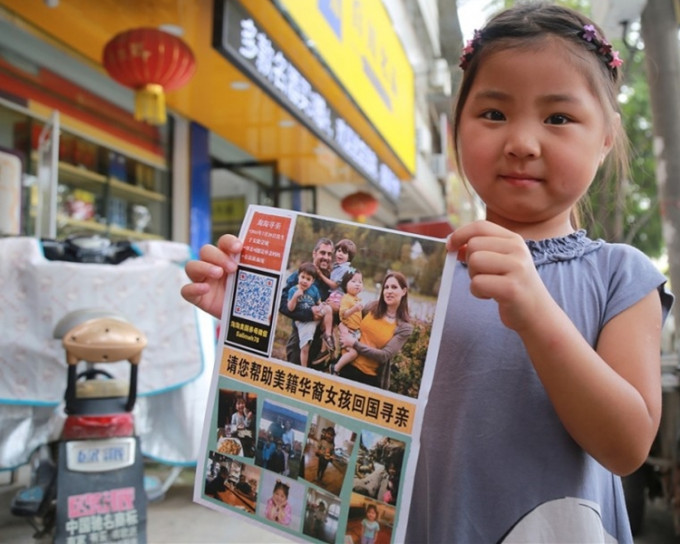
(529, 25)
(308, 268)
(283, 487)
(348, 276)
(402, 311)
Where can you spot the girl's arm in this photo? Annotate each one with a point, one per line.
(269, 509)
(608, 398)
(328, 281)
(287, 514)
(347, 310)
(384, 355)
(209, 272)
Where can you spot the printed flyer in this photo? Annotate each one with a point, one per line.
(328, 341)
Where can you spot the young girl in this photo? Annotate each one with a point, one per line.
(278, 508)
(548, 381)
(324, 452)
(369, 525)
(320, 515)
(547, 385)
(350, 314)
(242, 417)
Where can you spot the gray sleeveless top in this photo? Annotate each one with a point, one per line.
(492, 447)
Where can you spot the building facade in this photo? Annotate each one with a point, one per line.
(293, 103)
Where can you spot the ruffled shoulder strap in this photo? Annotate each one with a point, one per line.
(563, 248)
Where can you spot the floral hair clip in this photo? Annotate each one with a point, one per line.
(469, 49)
(604, 48)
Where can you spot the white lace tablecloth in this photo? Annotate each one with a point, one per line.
(36, 293)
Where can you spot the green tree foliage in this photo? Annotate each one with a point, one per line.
(627, 210)
(407, 366)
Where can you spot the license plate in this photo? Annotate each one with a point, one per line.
(100, 455)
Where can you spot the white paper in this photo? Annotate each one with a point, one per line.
(373, 427)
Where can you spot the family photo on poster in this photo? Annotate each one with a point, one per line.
(359, 303)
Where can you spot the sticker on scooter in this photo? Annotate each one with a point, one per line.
(100, 455)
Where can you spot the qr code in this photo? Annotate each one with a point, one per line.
(254, 296)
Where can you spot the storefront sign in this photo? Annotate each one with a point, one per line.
(243, 42)
(358, 43)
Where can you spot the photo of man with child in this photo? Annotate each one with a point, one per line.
(358, 303)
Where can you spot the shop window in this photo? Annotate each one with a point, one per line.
(100, 190)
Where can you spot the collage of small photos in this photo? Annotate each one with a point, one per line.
(298, 470)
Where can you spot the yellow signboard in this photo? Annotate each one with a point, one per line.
(357, 41)
(228, 209)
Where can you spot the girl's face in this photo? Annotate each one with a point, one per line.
(532, 135)
(341, 255)
(240, 405)
(393, 292)
(356, 284)
(279, 497)
(371, 514)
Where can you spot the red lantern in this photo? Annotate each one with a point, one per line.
(150, 61)
(360, 205)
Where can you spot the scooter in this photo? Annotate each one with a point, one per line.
(95, 488)
(89, 484)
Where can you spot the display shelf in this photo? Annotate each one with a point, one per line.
(109, 201)
(134, 193)
(127, 234)
(115, 185)
(70, 225)
(69, 173)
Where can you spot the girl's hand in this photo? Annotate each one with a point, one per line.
(208, 274)
(346, 338)
(319, 310)
(500, 268)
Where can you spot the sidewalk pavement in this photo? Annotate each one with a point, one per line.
(174, 520)
(178, 520)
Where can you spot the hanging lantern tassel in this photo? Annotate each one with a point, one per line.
(150, 104)
(151, 62)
